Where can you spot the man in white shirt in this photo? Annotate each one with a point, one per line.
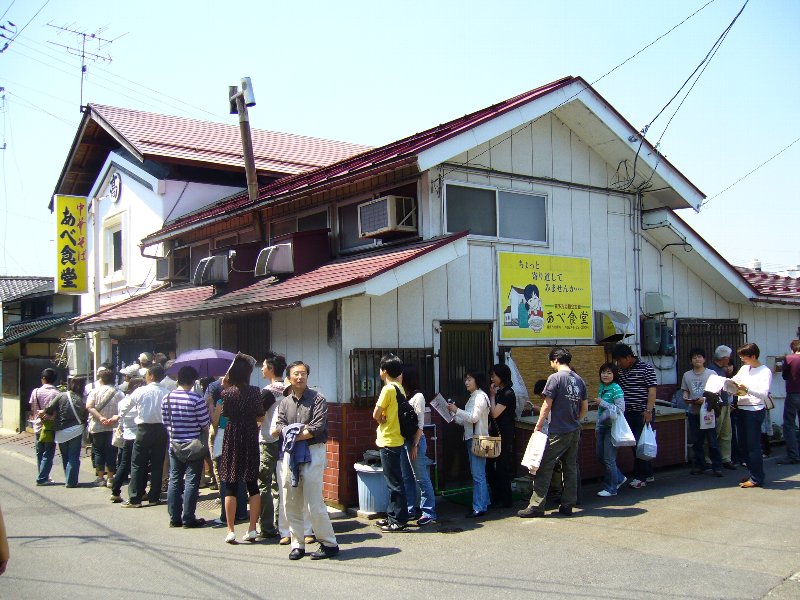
(150, 446)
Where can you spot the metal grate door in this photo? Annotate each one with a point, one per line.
(705, 334)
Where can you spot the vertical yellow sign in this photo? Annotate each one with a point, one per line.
(544, 297)
(71, 245)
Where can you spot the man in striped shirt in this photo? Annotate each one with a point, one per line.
(638, 381)
(185, 415)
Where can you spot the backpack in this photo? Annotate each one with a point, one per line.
(406, 415)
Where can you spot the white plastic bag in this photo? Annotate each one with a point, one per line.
(646, 448)
(534, 452)
(707, 418)
(621, 434)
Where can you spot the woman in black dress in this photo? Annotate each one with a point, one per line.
(243, 406)
(499, 470)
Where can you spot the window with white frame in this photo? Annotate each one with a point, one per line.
(114, 254)
(496, 213)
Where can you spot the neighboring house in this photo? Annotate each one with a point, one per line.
(33, 320)
(140, 169)
(549, 201)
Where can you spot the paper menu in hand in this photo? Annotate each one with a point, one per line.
(440, 405)
(717, 383)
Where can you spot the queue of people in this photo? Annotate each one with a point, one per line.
(268, 444)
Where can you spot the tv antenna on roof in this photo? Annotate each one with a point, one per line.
(81, 51)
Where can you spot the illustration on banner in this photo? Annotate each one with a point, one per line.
(546, 297)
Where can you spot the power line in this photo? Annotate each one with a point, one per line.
(19, 33)
(742, 178)
(39, 108)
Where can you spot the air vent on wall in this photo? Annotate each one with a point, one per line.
(211, 270)
(275, 260)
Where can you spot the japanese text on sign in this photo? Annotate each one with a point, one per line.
(71, 245)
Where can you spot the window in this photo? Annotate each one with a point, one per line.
(317, 220)
(114, 254)
(496, 213)
(348, 229)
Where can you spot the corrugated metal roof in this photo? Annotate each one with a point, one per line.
(16, 287)
(400, 152)
(186, 301)
(771, 284)
(21, 331)
(156, 135)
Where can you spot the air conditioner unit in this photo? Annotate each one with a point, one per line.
(211, 270)
(387, 216)
(657, 304)
(172, 268)
(274, 260)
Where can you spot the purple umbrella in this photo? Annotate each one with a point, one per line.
(208, 362)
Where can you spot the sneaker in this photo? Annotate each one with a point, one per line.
(381, 522)
(129, 504)
(606, 493)
(530, 513)
(230, 538)
(637, 484)
(393, 528)
(325, 552)
(48, 482)
(250, 536)
(422, 521)
(115, 499)
(99, 482)
(650, 479)
(621, 483)
(110, 483)
(565, 509)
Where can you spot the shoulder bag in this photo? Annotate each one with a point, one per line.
(187, 451)
(487, 446)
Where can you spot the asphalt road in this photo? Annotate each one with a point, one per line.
(681, 537)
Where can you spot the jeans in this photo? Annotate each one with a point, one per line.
(498, 473)
(748, 431)
(480, 487)
(182, 496)
(150, 448)
(642, 469)
(791, 407)
(564, 447)
(397, 509)
(736, 449)
(606, 453)
(416, 476)
(45, 451)
(71, 458)
(104, 453)
(268, 485)
(123, 467)
(698, 437)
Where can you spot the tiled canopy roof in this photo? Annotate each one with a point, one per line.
(18, 332)
(186, 301)
(397, 153)
(15, 287)
(772, 284)
(156, 135)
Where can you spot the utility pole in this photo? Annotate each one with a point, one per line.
(240, 100)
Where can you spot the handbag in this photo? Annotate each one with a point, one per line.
(621, 434)
(48, 431)
(707, 418)
(769, 403)
(117, 440)
(486, 446)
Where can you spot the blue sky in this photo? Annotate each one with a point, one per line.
(373, 72)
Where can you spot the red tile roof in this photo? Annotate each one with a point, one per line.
(186, 301)
(772, 285)
(386, 157)
(156, 135)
